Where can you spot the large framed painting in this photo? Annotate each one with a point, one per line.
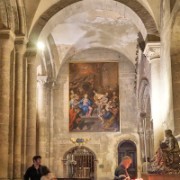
(93, 97)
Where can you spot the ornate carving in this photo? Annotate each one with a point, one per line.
(152, 51)
(42, 79)
(45, 81)
(136, 68)
(79, 141)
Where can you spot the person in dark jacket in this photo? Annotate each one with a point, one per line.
(34, 171)
(121, 171)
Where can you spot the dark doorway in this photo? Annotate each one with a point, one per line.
(128, 148)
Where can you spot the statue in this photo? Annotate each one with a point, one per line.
(170, 149)
(167, 157)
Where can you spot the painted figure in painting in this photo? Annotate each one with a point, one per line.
(85, 106)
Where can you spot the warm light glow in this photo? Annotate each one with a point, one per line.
(40, 45)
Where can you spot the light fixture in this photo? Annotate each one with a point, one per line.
(40, 45)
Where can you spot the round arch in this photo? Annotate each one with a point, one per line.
(128, 148)
(71, 53)
(76, 147)
(12, 16)
(6, 15)
(140, 10)
(127, 137)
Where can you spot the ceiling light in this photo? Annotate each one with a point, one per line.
(40, 45)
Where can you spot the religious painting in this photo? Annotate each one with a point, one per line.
(93, 97)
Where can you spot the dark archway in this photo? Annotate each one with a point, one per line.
(128, 148)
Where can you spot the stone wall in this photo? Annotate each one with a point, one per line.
(103, 144)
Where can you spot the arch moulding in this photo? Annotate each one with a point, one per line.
(140, 10)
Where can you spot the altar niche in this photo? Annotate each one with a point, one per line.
(79, 162)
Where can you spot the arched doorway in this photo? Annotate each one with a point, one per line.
(79, 162)
(128, 148)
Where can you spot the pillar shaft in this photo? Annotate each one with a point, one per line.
(6, 47)
(155, 105)
(43, 108)
(166, 68)
(152, 52)
(31, 106)
(20, 48)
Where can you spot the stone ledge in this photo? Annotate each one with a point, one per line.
(160, 177)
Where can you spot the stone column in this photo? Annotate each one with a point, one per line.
(31, 105)
(166, 67)
(43, 117)
(152, 52)
(20, 47)
(6, 47)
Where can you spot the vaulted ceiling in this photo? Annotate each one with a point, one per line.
(77, 25)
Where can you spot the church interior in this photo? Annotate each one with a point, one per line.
(84, 83)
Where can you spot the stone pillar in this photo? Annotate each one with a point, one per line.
(167, 92)
(152, 52)
(20, 47)
(43, 117)
(6, 47)
(24, 117)
(31, 105)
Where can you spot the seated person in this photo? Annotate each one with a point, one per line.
(170, 148)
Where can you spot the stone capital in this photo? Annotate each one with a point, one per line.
(7, 38)
(42, 80)
(152, 51)
(20, 44)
